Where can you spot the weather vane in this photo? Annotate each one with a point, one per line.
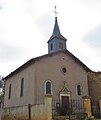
(55, 12)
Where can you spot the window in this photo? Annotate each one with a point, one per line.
(61, 46)
(51, 46)
(9, 92)
(79, 90)
(22, 87)
(48, 88)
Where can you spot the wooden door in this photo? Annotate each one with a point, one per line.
(65, 104)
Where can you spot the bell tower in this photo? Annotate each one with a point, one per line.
(56, 42)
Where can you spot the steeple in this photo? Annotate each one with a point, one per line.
(56, 27)
(56, 42)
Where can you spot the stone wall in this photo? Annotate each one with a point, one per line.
(28, 74)
(29, 112)
(94, 82)
(22, 113)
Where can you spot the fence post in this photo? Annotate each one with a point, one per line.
(69, 115)
(48, 104)
(87, 105)
(29, 111)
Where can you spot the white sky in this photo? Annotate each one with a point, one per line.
(26, 26)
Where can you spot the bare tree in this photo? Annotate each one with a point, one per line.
(2, 89)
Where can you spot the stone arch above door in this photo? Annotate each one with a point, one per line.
(64, 91)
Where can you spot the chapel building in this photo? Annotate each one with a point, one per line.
(58, 74)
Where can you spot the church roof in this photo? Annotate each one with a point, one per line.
(32, 61)
(56, 32)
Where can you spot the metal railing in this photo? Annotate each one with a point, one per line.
(74, 106)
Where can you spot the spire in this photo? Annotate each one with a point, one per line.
(56, 29)
(56, 42)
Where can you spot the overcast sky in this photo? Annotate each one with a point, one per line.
(26, 26)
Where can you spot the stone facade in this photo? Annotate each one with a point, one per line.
(46, 68)
(94, 82)
(28, 92)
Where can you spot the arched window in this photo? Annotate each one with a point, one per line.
(22, 87)
(48, 88)
(51, 46)
(79, 91)
(10, 86)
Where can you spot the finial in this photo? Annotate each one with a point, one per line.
(55, 12)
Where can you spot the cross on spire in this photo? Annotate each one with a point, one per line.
(55, 12)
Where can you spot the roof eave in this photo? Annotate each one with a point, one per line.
(32, 61)
(55, 36)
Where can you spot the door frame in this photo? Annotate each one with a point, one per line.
(68, 95)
